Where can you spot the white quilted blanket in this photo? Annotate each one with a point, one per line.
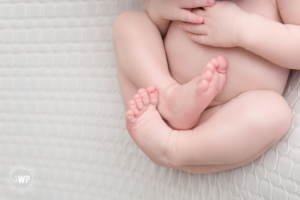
(61, 114)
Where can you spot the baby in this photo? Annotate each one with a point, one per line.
(232, 103)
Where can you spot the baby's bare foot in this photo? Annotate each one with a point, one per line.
(182, 105)
(146, 126)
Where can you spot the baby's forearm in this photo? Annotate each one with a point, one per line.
(276, 42)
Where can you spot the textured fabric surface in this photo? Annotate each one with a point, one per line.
(61, 113)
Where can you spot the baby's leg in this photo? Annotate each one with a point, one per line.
(239, 132)
(141, 57)
(221, 167)
(152, 123)
(140, 50)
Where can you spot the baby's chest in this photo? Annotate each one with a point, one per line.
(266, 8)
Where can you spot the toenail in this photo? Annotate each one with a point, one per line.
(141, 90)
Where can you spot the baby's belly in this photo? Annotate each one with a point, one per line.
(246, 71)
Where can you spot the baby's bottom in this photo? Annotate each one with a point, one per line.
(226, 137)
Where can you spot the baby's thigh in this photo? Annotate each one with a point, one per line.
(265, 110)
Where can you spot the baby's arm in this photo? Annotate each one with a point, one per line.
(279, 43)
(226, 25)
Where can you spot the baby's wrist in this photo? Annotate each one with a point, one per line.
(161, 23)
(151, 11)
(244, 20)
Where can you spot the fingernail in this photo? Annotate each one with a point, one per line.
(210, 1)
(200, 19)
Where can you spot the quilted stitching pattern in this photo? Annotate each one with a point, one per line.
(61, 113)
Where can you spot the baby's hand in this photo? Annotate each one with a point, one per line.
(221, 25)
(176, 9)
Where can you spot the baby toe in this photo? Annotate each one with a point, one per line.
(210, 66)
(130, 116)
(203, 86)
(153, 95)
(145, 97)
(207, 75)
(132, 106)
(215, 62)
(222, 63)
(138, 100)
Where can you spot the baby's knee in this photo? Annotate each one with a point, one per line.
(127, 20)
(281, 114)
(268, 110)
